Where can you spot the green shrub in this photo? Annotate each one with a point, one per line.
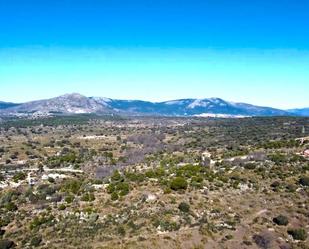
(97, 181)
(111, 188)
(120, 188)
(290, 188)
(4, 221)
(20, 176)
(6, 244)
(298, 233)
(123, 188)
(305, 167)
(229, 237)
(167, 190)
(155, 173)
(46, 189)
(62, 207)
(11, 206)
(116, 177)
(121, 231)
(36, 241)
(69, 199)
(40, 220)
(250, 166)
(51, 180)
(184, 207)
(72, 186)
(135, 177)
(150, 174)
(304, 180)
(178, 183)
(275, 185)
(114, 196)
(278, 158)
(197, 179)
(281, 220)
(88, 197)
(166, 225)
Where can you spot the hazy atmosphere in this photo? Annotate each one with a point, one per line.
(154, 124)
(253, 52)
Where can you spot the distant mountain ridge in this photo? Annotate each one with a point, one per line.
(300, 112)
(5, 105)
(69, 103)
(76, 104)
(191, 107)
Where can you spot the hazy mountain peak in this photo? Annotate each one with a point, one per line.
(72, 95)
(300, 111)
(76, 103)
(5, 105)
(67, 103)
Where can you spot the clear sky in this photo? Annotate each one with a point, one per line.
(246, 51)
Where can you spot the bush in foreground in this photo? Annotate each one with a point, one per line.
(184, 207)
(304, 180)
(281, 220)
(36, 241)
(6, 244)
(178, 183)
(298, 233)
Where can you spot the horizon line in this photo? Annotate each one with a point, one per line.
(145, 100)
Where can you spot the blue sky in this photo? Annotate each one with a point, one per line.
(247, 51)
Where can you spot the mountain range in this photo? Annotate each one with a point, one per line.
(208, 107)
(300, 112)
(5, 105)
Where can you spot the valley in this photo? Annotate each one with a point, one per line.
(88, 181)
